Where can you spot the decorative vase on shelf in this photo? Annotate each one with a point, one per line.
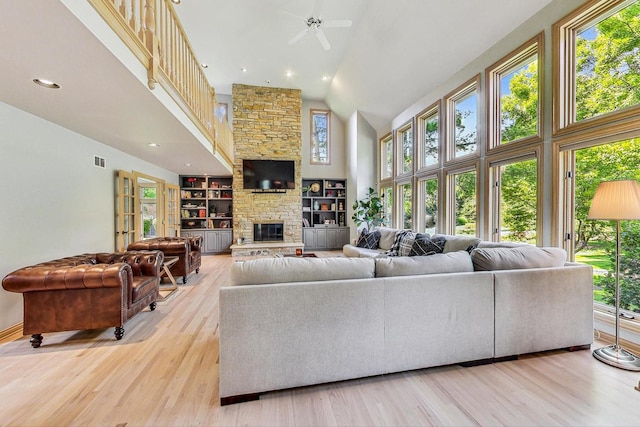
(316, 205)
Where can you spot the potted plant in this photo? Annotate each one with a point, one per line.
(368, 210)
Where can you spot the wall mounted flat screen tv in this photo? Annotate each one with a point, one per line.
(268, 174)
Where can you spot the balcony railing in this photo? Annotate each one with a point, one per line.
(152, 31)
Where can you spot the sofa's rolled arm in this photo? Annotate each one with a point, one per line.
(85, 276)
(144, 263)
(196, 243)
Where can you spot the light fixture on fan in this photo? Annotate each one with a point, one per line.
(316, 23)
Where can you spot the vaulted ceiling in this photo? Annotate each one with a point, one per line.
(393, 54)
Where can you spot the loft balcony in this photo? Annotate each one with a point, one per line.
(128, 78)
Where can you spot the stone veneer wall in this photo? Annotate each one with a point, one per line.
(267, 124)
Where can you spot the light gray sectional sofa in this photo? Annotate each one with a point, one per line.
(290, 322)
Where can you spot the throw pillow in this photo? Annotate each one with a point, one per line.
(406, 243)
(425, 245)
(459, 242)
(395, 248)
(368, 240)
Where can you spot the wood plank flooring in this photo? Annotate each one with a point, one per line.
(164, 372)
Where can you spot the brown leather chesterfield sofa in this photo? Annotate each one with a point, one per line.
(187, 249)
(88, 291)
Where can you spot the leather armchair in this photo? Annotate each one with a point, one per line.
(88, 291)
(187, 249)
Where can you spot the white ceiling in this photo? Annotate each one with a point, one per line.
(394, 53)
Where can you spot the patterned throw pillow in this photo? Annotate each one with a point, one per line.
(406, 243)
(424, 245)
(395, 248)
(368, 240)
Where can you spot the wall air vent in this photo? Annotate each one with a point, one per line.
(99, 162)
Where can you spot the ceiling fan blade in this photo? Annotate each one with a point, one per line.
(317, 8)
(285, 12)
(337, 23)
(295, 39)
(323, 39)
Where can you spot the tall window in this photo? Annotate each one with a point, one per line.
(598, 64)
(320, 137)
(464, 202)
(514, 86)
(462, 119)
(515, 201)
(407, 205)
(386, 157)
(148, 207)
(429, 188)
(429, 137)
(387, 202)
(594, 241)
(405, 141)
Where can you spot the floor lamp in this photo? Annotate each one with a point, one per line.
(617, 200)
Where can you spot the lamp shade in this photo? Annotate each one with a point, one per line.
(616, 200)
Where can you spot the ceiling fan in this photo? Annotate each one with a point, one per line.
(316, 23)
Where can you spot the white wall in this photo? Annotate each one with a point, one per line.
(54, 202)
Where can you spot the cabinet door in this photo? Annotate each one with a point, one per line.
(211, 241)
(321, 239)
(225, 240)
(309, 238)
(333, 238)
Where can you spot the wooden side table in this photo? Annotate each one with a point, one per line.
(167, 290)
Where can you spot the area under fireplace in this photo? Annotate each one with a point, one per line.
(268, 232)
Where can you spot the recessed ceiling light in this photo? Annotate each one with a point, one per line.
(289, 73)
(204, 65)
(243, 69)
(267, 81)
(187, 164)
(325, 78)
(46, 83)
(153, 144)
(175, 1)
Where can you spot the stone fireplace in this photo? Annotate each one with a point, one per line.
(267, 124)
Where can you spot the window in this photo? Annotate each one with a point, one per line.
(320, 137)
(429, 137)
(594, 240)
(429, 189)
(386, 157)
(462, 120)
(405, 142)
(387, 201)
(515, 200)
(514, 86)
(598, 62)
(406, 192)
(462, 187)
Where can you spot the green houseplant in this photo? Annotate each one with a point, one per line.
(369, 210)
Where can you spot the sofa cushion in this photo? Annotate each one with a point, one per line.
(487, 259)
(424, 245)
(453, 262)
(387, 237)
(456, 243)
(368, 240)
(292, 269)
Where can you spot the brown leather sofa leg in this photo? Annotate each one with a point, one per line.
(152, 306)
(36, 340)
(119, 332)
(184, 280)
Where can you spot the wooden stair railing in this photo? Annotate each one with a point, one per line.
(153, 33)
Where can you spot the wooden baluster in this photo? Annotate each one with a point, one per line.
(152, 43)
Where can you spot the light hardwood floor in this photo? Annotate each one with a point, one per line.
(164, 372)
